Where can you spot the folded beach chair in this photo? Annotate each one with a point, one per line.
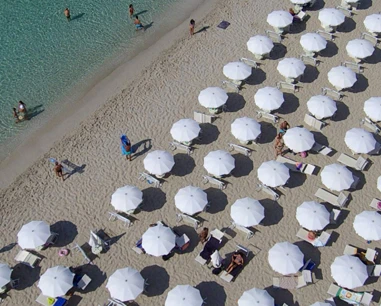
(374, 204)
(287, 86)
(173, 145)
(27, 258)
(189, 219)
(203, 118)
(334, 94)
(326, 35)
(229, 277)
(370, 125)
(241, 149)
(359, 164)
(274, 195)
(291, 164)
(331, 198)
(320, 241)
(115, 216)
(356, 67)
(372, 39)
(267, 115)
(334, 215)
(243, 229)
(313, 122)
(149, 179)
(321, 149)
(345, 11)
(51, 240)
(208, 179)
(249, 62)
(293, 282)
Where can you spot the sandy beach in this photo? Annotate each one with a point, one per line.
(145, 109)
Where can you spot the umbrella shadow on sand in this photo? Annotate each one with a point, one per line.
(361, 84)
(243, 165)
(281, 297)
(310, 74)
(319, 4)
(330, 50)
(66, 230)
(347, 26)
(256, 78)
(279, 51)
(268, 132)
(97, 277)
(153, 199)
(217, 199)
(184, 165)
(211, 291)
(27, 276)
(273, 212)
(342, 112)
(290, 104)
(209, 133)
(192, 235)
(235, 102)
(157, 279)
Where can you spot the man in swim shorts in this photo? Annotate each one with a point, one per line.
(67, 14)
(58, 169)
(138, 24)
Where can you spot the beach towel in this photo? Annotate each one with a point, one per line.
(223, 25)
(124, 141)
(216, 259)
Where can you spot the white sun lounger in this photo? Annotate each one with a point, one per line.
(27, 258)
(293, 282)
(326, 35)
(318, 242)
(291, 164)
(371, 255)
(249, 62)
(334, 215)
(149, 179)
(274, 195)
(353, 66)
(115, 216)
(366, 299)
(173, 145)
(287, 86)
(350, 250)
(84, 282)
(243, 229)
(334, 94)
(321, 149)
(375, 270)
(275, 37)
(236, 86)
(370, 125)
(114, 302)
(208, 179)
(188, 219)
(228, 277)
(309, 60)
(86, 259)
(313, 122)
(359, 164)
(370, 38)
(267, 115)
(203, 118)
(331, 198)
(374, 203)
(241, 149)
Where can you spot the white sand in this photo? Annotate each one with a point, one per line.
(167, 91)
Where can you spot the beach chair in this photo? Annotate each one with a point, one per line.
(137, 250)
(334, 94)
(27, 258)
(216, 233)
(115, 216)
(375, 270)
(182, 241)
(309, 60)
(274, 195)
(356, 67)
(370, 125)
(236, 86)
(302, 15)
(267, 115)
(374, 204)
(320, 241)
(331, 198)
(243, 229)
(241, 149)
(348, 13)
(321, 149)
(350, 5)
(203, 118)
(249, 62)
(308, 265)
(373, 40)
(371, 255)
(149, 179)
(114, 302)
(173, 145)
(350, 250)
(287, 86)
(228, 277)
(359, 164)
(366, 299)
(186, 218)
(293, 282)
(208, 179)
(313, 122)
(84, 282)
(51, 240)
(326, 35)
(86, 259)
(334, 215)
(333, 290)
(291, 164)
(275, 37)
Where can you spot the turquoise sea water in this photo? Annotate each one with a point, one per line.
(44, 59)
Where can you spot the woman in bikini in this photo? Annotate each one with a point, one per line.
(279, 145)
(237, 260)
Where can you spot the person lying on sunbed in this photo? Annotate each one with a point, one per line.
(236, 261)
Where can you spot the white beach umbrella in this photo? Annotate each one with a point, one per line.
(349, 271)
(269, 98)
(33, 234)
(300, 2)
(245, 129)
(158, 240)
(219, 162)
(337, 177)
(321, 304)
(273, 173)
(368, 225)
(247, 212)
(256, 296)
(321, 106)
(331, 17)
(359, 48)
(360, 141)
(260, 44)
(191, 200)
(285, 258)
(5, 274)
(185, 130)
(372, 108)
(313, 42)
(342, 77)
(237, 71)
(184, 295)
(126, 198)
(279, 19)
(212, 97)
(125, 284)
(159, 162)
(291, 67)
(373, 23)
(312, 215)
(56, 281)
(299, 139)
(379, 183)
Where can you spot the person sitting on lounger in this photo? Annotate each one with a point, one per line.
(236, 261)
(204, 235)
(294, 15)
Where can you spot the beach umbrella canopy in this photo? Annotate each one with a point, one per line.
(331, 17)
(379, 183)
(5, 274)
(269, 98)
(56, 281)
(260, 44)
(373, 23)
(372, 108)
(349, 271)
(285, 258)
(279, 19)
(360, 141)
(300, 2)
(219, 163)
(212, 97)
(245, 129)
(359, 48)
(237, 71)
(256, 297)
(321, 304)
(342, 77)
(312, 216)
(337, 177)
(184, 295)
(33, 234)
(125, 284)
(299, 139)
(321, 106)
(273, 173)
(159, 162)
(291, 67)
(126, 198)
(313, 42)
(368, 225)
(158, 240)
(247, 212)
(191, 200)
(185, 130)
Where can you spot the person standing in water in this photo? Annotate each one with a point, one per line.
(138, 24)
(67, 14)
(15, 115)
(131, 10)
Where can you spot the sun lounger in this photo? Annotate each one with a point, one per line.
(366, 299)
(318, 242)
(274, 195)
(331, 198)
(350, 250)
(293, 282)
(243, 229)
(86, 259)
(321, 149)
(308, 265)
(313, 122)
(375, 271)
(182, 241)
(275, 37)
(370, 38)
(27, 258)
(353, 66)
(267, 115)
(334, 94)
(359, 164)
(249, 62)
(114, 302)
(241, 149)
(115, 216)
(309, 60)
(302, 15)
(334, 215)
(291, 164)
(229, 277)
(137, 250)
(374, 204)
(149, 179)
(189, 219)
(287, 86)
(49, 301)
(363, 298)
(371, 255)
(370, 125)
(176, 145)
(345, 11)
(203, 118)
(326, 35)
(216, 233)
(233, 85)
(208, 179)
(350, 5)
(84, 282)
(200, 260)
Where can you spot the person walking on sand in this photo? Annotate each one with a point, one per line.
(279, 145)
(125, 146)
(191, 27)
(67, 14)
(58, 169)
(138, 24)
(131, 10)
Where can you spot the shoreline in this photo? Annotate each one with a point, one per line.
(104, 89)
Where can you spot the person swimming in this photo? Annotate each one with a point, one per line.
(138, 24)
